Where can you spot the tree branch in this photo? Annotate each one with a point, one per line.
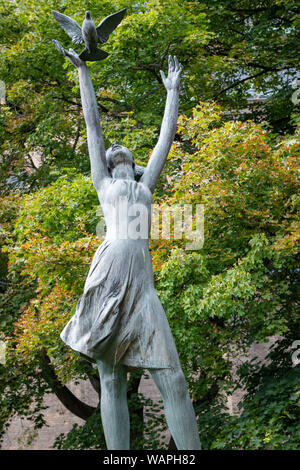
(238, 82)
(93, 376)
(65, 396)
(166, 52)
(112, 100)
(267, 68)
(149, 93)
(264, 68)
(150, 68)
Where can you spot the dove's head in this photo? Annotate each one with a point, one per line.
(120, 162)
(88, 15)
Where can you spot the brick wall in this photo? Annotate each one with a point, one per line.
(60, 420)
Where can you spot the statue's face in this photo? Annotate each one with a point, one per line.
(117, 154)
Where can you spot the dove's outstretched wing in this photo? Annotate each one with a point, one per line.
(71, 27)
(109, 24)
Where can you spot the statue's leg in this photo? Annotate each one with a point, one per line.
(179, 410)
(114, 409)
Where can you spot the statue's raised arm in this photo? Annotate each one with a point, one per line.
(95, 140)
(168, 127)
(119, 321)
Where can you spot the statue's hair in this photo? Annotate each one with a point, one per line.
(138, 172)
(137, 169)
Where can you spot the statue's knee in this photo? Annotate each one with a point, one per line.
(179, 384)
(106, 380)
(171, 383)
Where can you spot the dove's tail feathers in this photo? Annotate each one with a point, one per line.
(94, 55)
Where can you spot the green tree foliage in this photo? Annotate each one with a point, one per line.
(241, 287)
(226, 49)
(257, 44)
(270, 409)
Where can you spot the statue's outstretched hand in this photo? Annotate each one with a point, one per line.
(70, 54)
(172, 82)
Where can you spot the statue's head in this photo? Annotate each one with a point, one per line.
(88, 15)
(120, 162)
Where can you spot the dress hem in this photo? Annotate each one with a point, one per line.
(127, 362)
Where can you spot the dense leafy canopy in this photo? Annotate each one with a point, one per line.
(227, 49)
(241, 287)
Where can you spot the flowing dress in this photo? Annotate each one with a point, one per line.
(119, 318)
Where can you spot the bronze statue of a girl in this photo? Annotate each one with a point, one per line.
(119, 320)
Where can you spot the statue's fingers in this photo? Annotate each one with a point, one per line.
(56, 43)
(176, 63)
(163, 77)
(171, 63)
(59, 47)
(69, 54)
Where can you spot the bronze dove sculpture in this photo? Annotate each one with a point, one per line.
(89, 34)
